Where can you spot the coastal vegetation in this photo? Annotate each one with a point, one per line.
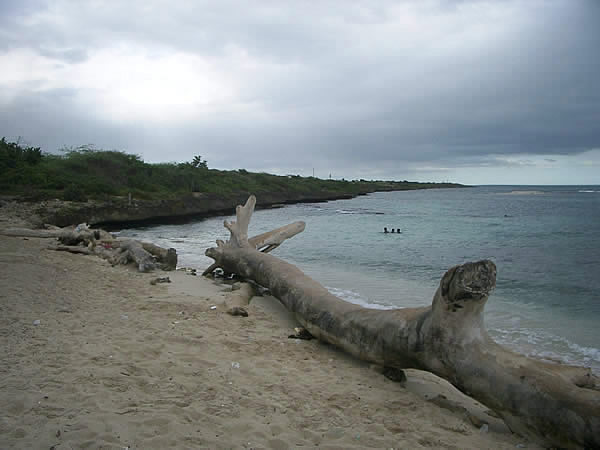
(82, 173)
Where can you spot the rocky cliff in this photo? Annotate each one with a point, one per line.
(121, 211)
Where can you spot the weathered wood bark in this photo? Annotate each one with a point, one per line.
(240, 295)
(73, 249)
(273, 239)
(103, 244)
(166, 257)
(265, 242)
(67, 236)
(26, 232)
(558, 404)
(144, 260)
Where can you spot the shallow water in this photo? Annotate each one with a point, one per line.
(545, 241)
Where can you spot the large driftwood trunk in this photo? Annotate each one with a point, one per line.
(558, 404)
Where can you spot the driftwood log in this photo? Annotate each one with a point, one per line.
(83, 240)
(267, 241)
(554, 403)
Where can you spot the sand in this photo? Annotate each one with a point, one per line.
(115, 362)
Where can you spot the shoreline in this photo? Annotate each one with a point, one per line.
(119, 211)
(116, 361)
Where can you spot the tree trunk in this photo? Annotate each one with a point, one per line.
(557, 403)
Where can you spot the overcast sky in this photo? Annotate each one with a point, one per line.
(478, 92)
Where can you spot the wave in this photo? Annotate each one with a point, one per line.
(356, 299)
(521, 193)
(359, 211)
(587, 191)
(547, 346)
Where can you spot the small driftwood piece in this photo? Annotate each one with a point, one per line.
(167, 257)
(81, 234)
(144, 260)
(238, 299)
(69, 236)
(557, 404)
(26, 232)
(73, 249)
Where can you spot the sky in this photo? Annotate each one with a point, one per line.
(468, 91)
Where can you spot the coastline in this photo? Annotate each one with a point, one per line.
(117, 362)
(122, 211)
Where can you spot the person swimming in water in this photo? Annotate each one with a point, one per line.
(385, 230)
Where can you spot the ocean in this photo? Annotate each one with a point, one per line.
(545, 241)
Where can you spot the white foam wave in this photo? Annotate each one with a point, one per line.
(522, 193)
(588, 352)
(587, 191)
(359, 211)
(544, 345)
(355, 298)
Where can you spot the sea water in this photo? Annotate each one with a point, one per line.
(545, 241)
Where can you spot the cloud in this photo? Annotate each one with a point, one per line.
(358, 88)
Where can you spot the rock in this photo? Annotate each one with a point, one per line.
(160, 280)
(301, 333)
(237, 311)
(396, 375)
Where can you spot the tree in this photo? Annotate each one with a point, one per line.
(199, 163)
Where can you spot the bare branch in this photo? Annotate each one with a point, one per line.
(239, 229)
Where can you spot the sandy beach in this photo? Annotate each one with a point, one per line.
(95, 356)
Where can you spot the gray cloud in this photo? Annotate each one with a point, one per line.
(363, 88)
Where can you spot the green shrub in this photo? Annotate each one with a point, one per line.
(85, 172)
(74, 193)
